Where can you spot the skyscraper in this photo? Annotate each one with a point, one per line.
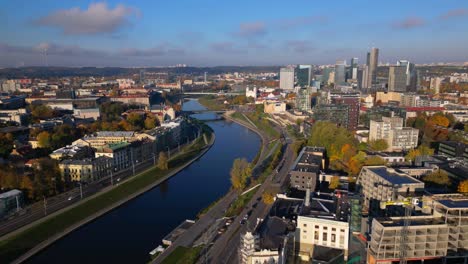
(411, 74)
(372, 62)
(397, 79)
(304, 75)
(354, 68)
(340, 73)
(287, 78)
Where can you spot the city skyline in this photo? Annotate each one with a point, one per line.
(126, 34)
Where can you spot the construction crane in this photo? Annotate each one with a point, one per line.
(408, 204)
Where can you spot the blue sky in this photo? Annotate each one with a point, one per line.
(209, 33)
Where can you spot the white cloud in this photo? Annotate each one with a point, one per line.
(98, 18)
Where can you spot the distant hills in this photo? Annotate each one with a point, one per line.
(45, 72)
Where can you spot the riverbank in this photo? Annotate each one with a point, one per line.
(40, 235)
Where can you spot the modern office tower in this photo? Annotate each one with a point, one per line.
(303, 100)
(397, 78)
(287, 78)
(304, 75)
(340, 73)
(372, 62)
(411, 74)
(354, 68)
(326, 74)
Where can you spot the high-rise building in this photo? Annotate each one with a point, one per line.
(354, 68)
(287, 78)
(411, 74)
(340, 73)
(303, 101)
(372, 62)
(397, 78)
(304, 75)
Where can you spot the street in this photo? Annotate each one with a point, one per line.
(40, 209)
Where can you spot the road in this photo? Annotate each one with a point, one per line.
(225, 248)
(53, 204)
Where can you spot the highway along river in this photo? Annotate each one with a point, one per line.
(128, 233)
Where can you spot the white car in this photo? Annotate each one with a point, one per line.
(70, 198)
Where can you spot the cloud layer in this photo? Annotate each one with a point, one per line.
(98, 18)
(410, 22)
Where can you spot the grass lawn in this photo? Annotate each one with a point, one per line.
(14, 247)
(212, 103)
(183, 255)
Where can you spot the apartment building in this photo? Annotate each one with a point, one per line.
(85, 170)
(382, 183)
(403, 138)
(308, 164)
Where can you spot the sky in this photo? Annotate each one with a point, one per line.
(241, 32)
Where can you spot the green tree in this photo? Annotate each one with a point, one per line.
(240, 172)
(163, 161)
(378, 145)
(374, 161)
(43, 139)
(438, 177)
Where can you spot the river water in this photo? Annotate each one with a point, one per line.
(128, 233)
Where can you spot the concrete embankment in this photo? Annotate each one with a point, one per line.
(107, 209)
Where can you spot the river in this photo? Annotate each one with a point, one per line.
(128, 233)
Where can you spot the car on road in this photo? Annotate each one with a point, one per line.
(70, 198)
(244, 219)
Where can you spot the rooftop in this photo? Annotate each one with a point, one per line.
(115, 133)
(10, 194)
(414, 221)
(392, 176)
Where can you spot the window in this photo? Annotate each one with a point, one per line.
(334, 229)
(304, 231)
(325, 236)
(316, 235)
(305, 225)
(333, 238)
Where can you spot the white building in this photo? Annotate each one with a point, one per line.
(403, 138)
(435, 84)
(125, 83)
(313, 231)
(251, 92)
(287, 78)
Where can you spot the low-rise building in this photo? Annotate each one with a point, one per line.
(274, 107)
(306, 170)
(120, 153)
(85, 170)
(402, 139)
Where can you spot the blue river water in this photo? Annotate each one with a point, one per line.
(128, 233)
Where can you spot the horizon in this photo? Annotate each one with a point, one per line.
(210, 34)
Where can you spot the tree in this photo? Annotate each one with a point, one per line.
(422, 150)
(136, 120)
(28, 186)
(463, 187)
(374, 161)
(6, 145)
(439, 119)
(41, 111)
(163, 161)
(240, 172)
(378, 145)
(334, 182)
(438, 177)
(43, 139)
(151, 122)
(268, 197)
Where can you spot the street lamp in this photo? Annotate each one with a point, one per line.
(81, 189)
(169, 152)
